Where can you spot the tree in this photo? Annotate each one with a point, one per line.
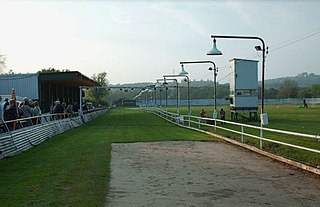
(315, 90)
(305, 93)
(2, 63)
(288, 89)
(270, 93)
(98, 95)
(52, 70)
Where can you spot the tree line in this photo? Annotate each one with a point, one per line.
(199, 90)
(290, 89)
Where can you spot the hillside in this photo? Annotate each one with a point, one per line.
(303, 80)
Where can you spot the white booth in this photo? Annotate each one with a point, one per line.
(243, 88)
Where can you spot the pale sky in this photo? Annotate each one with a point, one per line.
(138, 41)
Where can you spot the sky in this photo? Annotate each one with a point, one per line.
(140, 41)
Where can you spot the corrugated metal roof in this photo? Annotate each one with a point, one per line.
(25, 85)
(73, 78)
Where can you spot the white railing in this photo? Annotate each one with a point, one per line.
(16, 124)
(210, 122)
(22, 134)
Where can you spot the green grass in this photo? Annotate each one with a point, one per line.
(285, 117)
(73, 169)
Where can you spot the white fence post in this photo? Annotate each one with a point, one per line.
(242, 140)
(261, 136)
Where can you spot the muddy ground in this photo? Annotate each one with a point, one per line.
(204, 174)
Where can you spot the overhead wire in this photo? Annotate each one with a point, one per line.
(295, 40)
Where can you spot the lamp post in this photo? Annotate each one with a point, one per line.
(183, 74)
(160, 97)
(215, 51)
(215, 70)
(165, 83)
(160, 90)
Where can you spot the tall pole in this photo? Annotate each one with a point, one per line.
(262, 74)
(166, 99)
(189, 107)
(155, 96)
(215, 88)
(177, 86)
(160, 98)
(263, 60)
(215, 75)
(178, 98)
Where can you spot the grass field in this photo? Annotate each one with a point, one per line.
(284, 117)
(73, 169)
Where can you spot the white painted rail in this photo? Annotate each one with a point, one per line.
(201, 121)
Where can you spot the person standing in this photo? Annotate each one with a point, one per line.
(202, 113)
(36, 113)
(222, 115)
(1, 110)
(305, 105)
(11, 114)
(26, 111)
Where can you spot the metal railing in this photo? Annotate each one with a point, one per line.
(20, 123)
(32, 131)
(200, 122)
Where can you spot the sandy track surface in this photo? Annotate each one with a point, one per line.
(204, 174)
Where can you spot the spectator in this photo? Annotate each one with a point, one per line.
(5, 104)
(64, 105)
(1, 114)
(26, 111)
(85, 107)
(222, 115)
(11, 114)
(58, 108)
(1, 110)
(36, 112)
(69, 110)
(76, 106)
(202, 113)
(31, 103)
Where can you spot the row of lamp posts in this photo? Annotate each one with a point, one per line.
(215, 51)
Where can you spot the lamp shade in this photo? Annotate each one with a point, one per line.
(183, 72)
(214, 50)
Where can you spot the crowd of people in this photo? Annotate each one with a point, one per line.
(12, 110)
(30, 111)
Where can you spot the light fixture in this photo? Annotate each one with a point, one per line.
(183, 72)
(214, 50)
(258, 48)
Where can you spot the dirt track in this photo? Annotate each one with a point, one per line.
(204, 174)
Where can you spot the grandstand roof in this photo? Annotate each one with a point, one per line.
(71, 78)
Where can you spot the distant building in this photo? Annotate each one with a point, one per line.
(46, 87)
